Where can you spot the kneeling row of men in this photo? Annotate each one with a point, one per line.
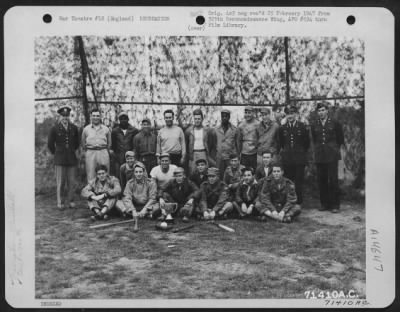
(203, 195)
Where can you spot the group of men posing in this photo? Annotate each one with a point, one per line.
(254, 169)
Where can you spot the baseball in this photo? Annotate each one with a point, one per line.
(164, 225)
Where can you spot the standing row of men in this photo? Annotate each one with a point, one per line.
(249, 141)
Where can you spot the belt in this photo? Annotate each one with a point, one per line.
(201, 150)
(96, 148)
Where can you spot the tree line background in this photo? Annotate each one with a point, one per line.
(184, 72)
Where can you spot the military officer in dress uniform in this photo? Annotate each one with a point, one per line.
(277, 198)
(327, 136)
(63, 141)
(294, 141)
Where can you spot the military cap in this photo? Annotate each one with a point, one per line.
(129, 154)
(164, 155)
(179, 170)
(140, 166)
(233, 156)
(249, 108)
(226, 111)
(64, 110)
(146, 120)
(265, 110)
(213, 171)
(200, 161)
(122, 114)
(322, 104)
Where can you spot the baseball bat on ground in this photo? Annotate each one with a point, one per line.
(224, 227)
(111, 224)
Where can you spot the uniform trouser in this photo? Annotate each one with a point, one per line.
(227, 208)
(196, 156)
(109, 203)
(120, 206)
(221, 165)
(175, 159)
(293, 211)
(94, 158)
(249, 161)
(238, 208)
(149, 161)
(185, 210)
(328, 184)
(295, 173)
(66, 182)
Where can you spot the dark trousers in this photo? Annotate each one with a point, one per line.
(295, 173)
(149, 161)
(176, 159)
(249, 161)
(328, 184)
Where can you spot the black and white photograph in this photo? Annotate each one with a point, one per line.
(197, 166)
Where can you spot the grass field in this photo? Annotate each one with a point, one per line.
(320, 251)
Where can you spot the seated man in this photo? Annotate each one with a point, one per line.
(233, 175)
(265, 169)
(277, 197)
(214, 197)
(126, 171)
(181, 191)
(246, 194)
(140, 195)
(200, 175)
(101, 193)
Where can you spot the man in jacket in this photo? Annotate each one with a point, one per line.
(214, 197)
(294, 141)
(277, 198)
(248, 139)
(140, 196)
(101, 193)
(233, 175)
(144, 144)
(63, 142)
(246, 194)
(227, 141)
(267, 133)
(265, 169)
(200, 175)
(122, 140)
(183, 192)
(201, 142)
(327, 136)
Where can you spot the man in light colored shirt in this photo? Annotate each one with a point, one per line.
(248, 139)
(96, 142)
(202, 142)
(171, 140)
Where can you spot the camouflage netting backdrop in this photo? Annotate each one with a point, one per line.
(217, 70)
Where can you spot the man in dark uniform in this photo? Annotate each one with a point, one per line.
(294, 142)
(183, 192)
(122, 141)
(214, 197)
(277, 198)
(327, 136)
(63, 141)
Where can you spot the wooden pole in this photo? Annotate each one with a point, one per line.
(286, 41)
(83, 68)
